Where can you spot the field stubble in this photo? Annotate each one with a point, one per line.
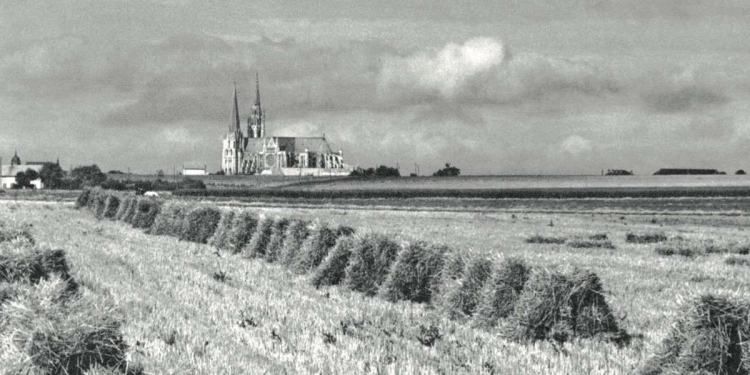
(180, 319)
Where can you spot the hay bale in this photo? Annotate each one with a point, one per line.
(256, 247)
(371, 259)
(294, 238)
(709, 337)
(416, 269)
(322, 239)
(498, 297)
(32, 264)
(589, 243)
(40, 335)
(125, 204)
(276, 241)
(200, 224)
(332, 271)
(170, 219)
(111, 206)
(83, 199)
(243, 227)
(219, 239)
(558, 307)
(146, 211)
(461, 296)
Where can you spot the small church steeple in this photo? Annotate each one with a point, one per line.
(235, 124)
(15, 160)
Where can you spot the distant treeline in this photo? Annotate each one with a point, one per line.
(561, 193)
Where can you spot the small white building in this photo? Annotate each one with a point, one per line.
(8, 172)
(194, 171)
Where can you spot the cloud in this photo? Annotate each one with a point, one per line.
(682, 91)
(576, 145)
(482, 71)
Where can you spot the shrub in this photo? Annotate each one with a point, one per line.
(40, 335)
(461, 296)
(256, 247)
(146, 211)
(83, 199)
(200, 224)
(537, 238)
(553, 306)
(709, 337)
(220, 237)
(499, 295)
(322, 239)
(332, 271)
(276, 241)
(170, 219)
(294, 238)
(645, 237)
(243, 227)
(124, 206)
(110, 206)
(735, 260)
(415, 270)
(370, 261)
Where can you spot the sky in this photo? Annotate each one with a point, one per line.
(492, 87)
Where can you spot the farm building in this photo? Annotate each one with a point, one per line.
(257, 153)
(8, 172)
(194, 170)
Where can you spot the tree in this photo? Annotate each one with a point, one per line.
(52, 176)
(740, 172)
(160, 173)
(448, 171)
(24, 179)
(89, 175)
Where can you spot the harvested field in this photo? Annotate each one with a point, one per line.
(621, 301)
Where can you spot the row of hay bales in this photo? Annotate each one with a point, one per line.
(519, 302)
(524, 303)
(46, 325)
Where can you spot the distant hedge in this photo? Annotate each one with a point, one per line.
(558, 193)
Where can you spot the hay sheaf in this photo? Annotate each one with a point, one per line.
(294, 239)
(322, 239)
(461, 296)
(42, 335)
(276, 241)
(15, 231)
(170, 219)
(31, 264)
(332, 271)
(558, 307)
(200, 224)
(414, 272)
(125, 204)
(111, 206)
(147, 209)
(100, 202)
(83, 199)
(499, 295)
(132, 209)
(709, 337)
(645, 238)
(221, 235)
(256, 247)
(369, 263)
(243, 227)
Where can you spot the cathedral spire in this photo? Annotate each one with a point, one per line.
(257, 90)
(235, 124)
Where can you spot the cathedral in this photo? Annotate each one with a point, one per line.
(256, 153)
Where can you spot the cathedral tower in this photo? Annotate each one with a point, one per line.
(232, 150)
(256, 123)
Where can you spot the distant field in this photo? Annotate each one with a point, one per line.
(530, 182)
(223, 182)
